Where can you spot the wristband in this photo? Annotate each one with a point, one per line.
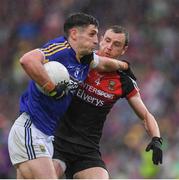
(48, 87)
(95, 62)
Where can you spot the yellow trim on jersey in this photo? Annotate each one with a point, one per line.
(59, 49)
(54, 46)
(45, 61)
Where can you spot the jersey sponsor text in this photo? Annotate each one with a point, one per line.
(90, 99)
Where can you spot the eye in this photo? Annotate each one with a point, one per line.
(107, 40)
(117, 44)
(92, 33)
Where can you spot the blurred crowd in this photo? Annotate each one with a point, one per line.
(154, 39)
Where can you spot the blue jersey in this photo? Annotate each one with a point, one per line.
(45, 111)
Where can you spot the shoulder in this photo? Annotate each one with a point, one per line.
(129, 85)
(56, 47)
(59, 43)
(56, 41)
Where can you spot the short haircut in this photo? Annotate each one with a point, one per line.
(79, 20)
(120, 29)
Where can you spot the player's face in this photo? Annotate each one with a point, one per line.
(112, 44)
(87, 39)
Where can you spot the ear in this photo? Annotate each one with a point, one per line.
(124, 50)
(73, 33)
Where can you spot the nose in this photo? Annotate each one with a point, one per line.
(109, 47)
(96, 40)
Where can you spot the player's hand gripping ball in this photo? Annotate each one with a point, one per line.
(59, 76)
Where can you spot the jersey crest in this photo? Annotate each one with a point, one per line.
(111, 85)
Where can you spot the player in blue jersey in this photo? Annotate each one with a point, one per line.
(30, 138)
(77, 138)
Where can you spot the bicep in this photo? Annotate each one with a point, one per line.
(138, 106)
(32, 63)
(32, 56)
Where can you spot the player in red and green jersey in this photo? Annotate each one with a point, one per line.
(78, 135)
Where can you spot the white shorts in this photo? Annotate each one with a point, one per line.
(26, 142)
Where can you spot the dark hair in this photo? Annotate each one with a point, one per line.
(120, 29)
(79, 20)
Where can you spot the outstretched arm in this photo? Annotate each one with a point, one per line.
(106, 64)
(149, 121)
(151, 127)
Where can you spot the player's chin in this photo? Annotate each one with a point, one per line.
(91, 49)
(88, 51)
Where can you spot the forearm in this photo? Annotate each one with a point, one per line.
(151, 125)
(147, 118)
(108, 64)
(156, 141)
